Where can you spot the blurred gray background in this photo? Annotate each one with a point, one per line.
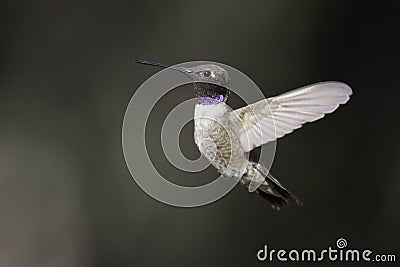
(66, 77)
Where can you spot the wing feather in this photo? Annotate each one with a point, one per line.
(272, 118)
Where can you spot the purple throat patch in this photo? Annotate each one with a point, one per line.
(211, 100)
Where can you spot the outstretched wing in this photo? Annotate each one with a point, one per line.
(272, 118)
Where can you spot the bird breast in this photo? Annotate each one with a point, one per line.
(216, 139)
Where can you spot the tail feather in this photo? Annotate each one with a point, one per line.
(282, 190)
(270, 189)
(276, 202)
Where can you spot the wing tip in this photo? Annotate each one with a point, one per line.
(344, 87)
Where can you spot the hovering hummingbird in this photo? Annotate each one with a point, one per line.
(225, 136)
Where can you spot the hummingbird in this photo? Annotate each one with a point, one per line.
(226, 136)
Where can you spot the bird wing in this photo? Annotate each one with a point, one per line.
(272, 118)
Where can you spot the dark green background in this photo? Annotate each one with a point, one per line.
(66, 196)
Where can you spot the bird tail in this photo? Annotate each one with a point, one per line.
(269, 187)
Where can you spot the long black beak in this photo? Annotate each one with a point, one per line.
(162, 65)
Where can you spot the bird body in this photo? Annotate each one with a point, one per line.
(216, 136)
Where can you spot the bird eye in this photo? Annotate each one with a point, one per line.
(207, 73)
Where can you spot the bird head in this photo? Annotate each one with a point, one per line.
(210, 81)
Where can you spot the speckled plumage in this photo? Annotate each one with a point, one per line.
(217, 140)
